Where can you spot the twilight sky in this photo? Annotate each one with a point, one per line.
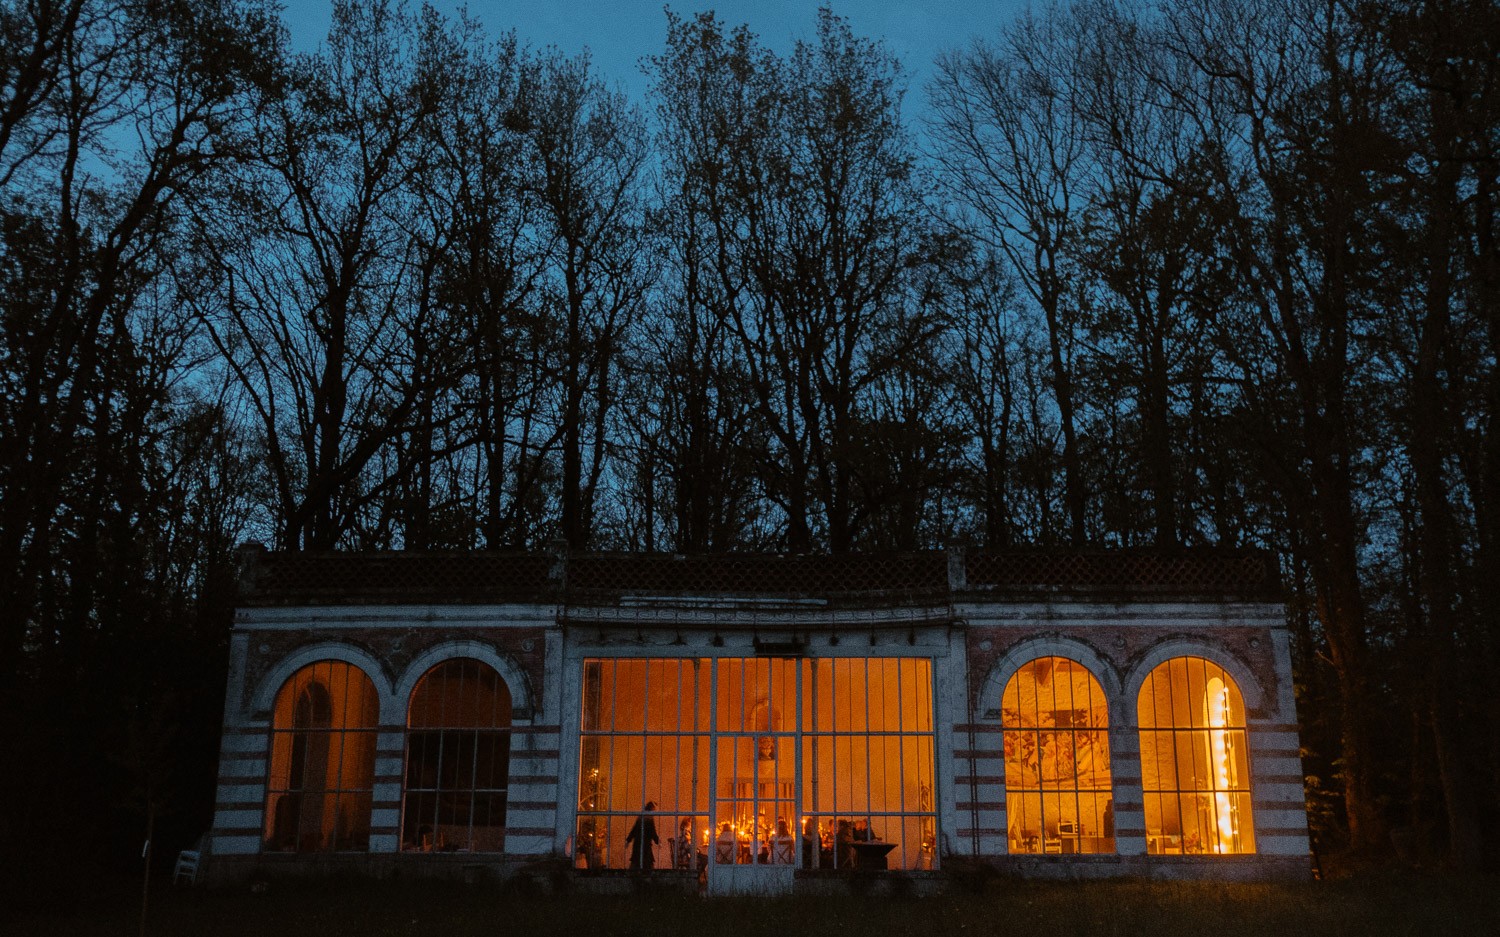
(620, 32)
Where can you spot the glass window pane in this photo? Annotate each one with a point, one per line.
(1056, 756)
(865, 761)
(322, 743)
(593, 695)
(458, 753)
(1195, 773)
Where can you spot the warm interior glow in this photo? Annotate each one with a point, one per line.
(1194, 772)
(322, 765)
(1217, 698)
(717, 741)
(457, 760)
(1058, 791)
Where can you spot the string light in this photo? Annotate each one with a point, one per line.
(1218, 741)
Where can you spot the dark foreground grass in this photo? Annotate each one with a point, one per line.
(1369, 907)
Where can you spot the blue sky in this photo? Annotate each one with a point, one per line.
(620, 32)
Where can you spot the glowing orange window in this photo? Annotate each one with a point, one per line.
(322, 760)
(1058, 793)
(1195, 770)
(457, 760)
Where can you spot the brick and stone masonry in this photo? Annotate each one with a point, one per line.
(979, 617)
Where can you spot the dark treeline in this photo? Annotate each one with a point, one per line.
(1198, 272)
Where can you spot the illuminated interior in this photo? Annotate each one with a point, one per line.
(812, 763)
(1194, 767)
(457, 760)
(1058, 794)
(322, 760)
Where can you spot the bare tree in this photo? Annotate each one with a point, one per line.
(1012, 145)
(1291, 180)
(1441, 149)
(1149, 240)
(590, 150)
(322, 288)
(805, 180)
(689, 407)
(479, 191)
(112, 115)
(988, 331)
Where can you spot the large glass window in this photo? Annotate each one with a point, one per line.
(1195, 771)
(867, 755)
(756, 780)
(712, 745)
(645, 740)
(457, 760)
(322, 765)
(1058, 794)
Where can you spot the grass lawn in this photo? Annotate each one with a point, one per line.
(1373, 906)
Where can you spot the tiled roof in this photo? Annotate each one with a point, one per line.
(605, 578)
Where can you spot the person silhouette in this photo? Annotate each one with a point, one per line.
(643, 835)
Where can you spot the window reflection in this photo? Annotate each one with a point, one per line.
(457, 760)
(322, 763)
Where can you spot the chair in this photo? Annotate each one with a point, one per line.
(187, 864)
(725, 847)
(783, 850)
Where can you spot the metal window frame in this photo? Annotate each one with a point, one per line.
(806, 782)
(1016, 790)
(339, 735)
(1166, 735)
(445, 733)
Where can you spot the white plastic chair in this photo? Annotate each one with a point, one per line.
(187, 864)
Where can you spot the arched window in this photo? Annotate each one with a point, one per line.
(322, 764)
(1058, 791)
(457, 759)
(1194, 769)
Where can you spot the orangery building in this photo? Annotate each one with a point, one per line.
(759, 723)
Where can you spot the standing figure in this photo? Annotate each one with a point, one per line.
(685, 850)
(642, 839)
(783, 848)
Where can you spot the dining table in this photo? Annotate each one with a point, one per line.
(870, 854)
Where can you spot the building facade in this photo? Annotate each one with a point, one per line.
(764, 723)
